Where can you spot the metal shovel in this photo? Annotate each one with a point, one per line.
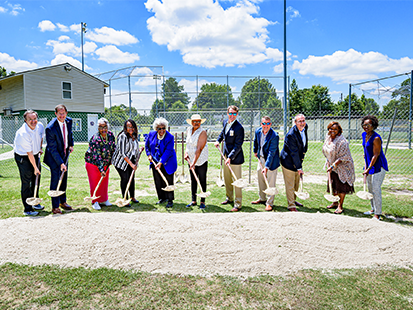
(270, 191)
(57, 193)
(183, 178)
(300, 194)
(34, 201)
(330, 196)
(220, 182)
(168, 188)
(364, 194)
(121, 202)
(237, 182)
(201, 194)
(94, 193)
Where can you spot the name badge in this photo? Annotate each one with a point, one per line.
(231, 133)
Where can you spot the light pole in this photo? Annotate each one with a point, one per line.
(82, 30)
(156, 78)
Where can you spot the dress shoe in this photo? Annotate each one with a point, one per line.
(202, 205)
(170, 204)
(191, 204)
(160, 201)
(268, 208)
(65, 206)
(38, 207)
(235, 209)
(135, 200)
(258, 202)
(56, 211)
(226, 201)
(298, 204)
(292, 209)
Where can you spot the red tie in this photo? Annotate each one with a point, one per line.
(64, 136)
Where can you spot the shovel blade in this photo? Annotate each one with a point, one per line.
(270, 191)
(365, 195)
(204, 194)
(331, 198)
(33, 201)
(220, 182)
(169, 188)
(183, 179)
(120, 202)
(55, 193)
(240, 183)
(302, 195)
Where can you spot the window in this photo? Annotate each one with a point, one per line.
(77, 124)
(67, 90)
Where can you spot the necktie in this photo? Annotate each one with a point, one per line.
(64, 137)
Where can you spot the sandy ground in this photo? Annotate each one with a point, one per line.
(241, 244)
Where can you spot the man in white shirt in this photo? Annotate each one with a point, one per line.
(27, 150)
(59, 139)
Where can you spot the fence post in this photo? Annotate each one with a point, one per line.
(251, 121)
(130, 99)
(410, 111)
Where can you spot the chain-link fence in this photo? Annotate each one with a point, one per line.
(394, 130)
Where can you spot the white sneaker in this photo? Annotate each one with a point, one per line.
(107, 203)
(375, 218)
(31, 213)
(96, 206)
(368, 213)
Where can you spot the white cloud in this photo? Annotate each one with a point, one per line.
(59, 59)
(279, 68)
(294, 13)
(64, 47)
(112, 55)
(46, 25)
(63, 28)
(75, 28)
(89, 47)
(352, 66)
(3, 10)
(64, 38)
(108, 35)
(208, 35)
(16, 9)
(11, 64)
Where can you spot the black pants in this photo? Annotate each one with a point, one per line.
(124, 179)
(27, 177)
(201, 172)
(160, 183)
(55, 174)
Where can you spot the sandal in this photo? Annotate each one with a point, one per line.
(337, 211)
(333, 205)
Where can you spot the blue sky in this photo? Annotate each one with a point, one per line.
(329, 42)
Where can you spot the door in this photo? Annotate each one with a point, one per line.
(92, 125)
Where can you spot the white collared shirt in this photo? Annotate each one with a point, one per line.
(229, 124)
(302, 133)
(61, 124)
(28, 140)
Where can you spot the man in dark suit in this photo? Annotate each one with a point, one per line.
(266, 150)
(233, 136)
(292, 157)
(59, 139)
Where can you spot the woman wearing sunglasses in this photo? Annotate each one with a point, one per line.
(375, 163)
(124, 158)
(159, 147)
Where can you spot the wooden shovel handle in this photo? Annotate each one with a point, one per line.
(265, 177)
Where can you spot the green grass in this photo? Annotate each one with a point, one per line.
(50, 287)
(5, 148)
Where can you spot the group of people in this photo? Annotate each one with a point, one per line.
(124, 153)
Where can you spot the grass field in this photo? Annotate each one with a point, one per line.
(50, 287)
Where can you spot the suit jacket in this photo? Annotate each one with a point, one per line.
(233, 142)
(166, 149)
(293, 152)
(270, 150)
(54, 155)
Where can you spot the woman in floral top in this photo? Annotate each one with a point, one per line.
(98, 158)
(340, 163)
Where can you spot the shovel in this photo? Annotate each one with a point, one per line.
(183, 178)
(121, 202)
(94, 193)
(238, 182)
(270, 191)
(168, 188)
(201, 194)
(220, 182)
(57, 193)
(330, 196)
(364, 194)
(300, 194)
(34, 201)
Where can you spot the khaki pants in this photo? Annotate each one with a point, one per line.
(292, 181)
(229, 188)
(271, 177)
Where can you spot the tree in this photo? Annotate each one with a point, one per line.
(3, 72)
(259, 93)
(357, 106)
(310, 100)
(118, 114)
(370, 105)
(172, 92)
(213, 96)
(401, 99)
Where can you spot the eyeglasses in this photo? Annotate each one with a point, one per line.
(233, 113)
(366, 125)
(160, 128)
(266, 123)
(106, 127)
(300, 121)
(196, 122)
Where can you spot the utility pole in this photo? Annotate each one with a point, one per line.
(82, 31)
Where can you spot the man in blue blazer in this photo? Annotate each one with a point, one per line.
(292, 157)
(233, 136)
(59, 139)
(266, 150)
